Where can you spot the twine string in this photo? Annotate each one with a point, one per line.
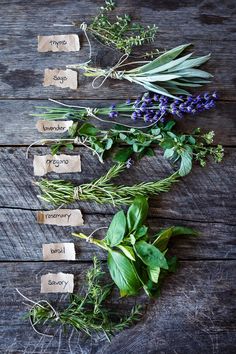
(92, 113)
(77, 191)
(111, 72)
(83, 27)
(89, 238)
(39, 303)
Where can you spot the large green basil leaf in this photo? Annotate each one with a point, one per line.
(150, 255)
(163, 237)
(116, 230)
(123, 273)
(88, 129)
(137, 213)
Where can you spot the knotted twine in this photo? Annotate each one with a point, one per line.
(39, 303)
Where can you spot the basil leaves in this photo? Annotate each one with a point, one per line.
(136, 260)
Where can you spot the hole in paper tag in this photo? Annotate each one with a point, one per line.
(59, 43)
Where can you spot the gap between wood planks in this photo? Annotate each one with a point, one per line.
(148, 220)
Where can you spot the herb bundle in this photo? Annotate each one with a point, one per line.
(59, 192)
(172, 75)
(86, 312)
(135, 259)
(120, 33)
(149, 108)
(154, 110)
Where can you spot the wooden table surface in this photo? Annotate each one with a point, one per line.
(196, 310)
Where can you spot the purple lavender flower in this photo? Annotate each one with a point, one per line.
(113, 114)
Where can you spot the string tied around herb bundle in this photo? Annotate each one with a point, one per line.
(39, 303)
(77, 192)
(111, 72)
(92, 112)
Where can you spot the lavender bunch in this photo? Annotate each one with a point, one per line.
(149, 107)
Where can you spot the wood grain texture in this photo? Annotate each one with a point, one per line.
(21, 237)
(204, 195)
(196, 310)
(19, 127)
(191, 315)
(22, 70)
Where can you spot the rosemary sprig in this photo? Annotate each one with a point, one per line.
(172, 75)
(59, 192)
(87, 312)
(120, 33)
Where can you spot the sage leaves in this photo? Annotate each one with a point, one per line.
(135, 260)
(172, 75)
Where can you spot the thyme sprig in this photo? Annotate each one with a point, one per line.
(87, 312)
(120, 33)
(59, 192)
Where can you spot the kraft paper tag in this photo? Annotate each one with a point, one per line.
(53, 126)
(56, 163)
(58, 251)
(57, 283)
(61, 78)
(59, 43)
(61, 217)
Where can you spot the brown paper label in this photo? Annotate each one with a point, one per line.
(61, 78)
(53, 126)
(59, 43)
(61, 217)
(58, 251)
(56, 163)
(57, 283)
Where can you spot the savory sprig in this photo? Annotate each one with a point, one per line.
(172, 73)
(120, 33)
(135, 259)
(59, 192)
(86, 312)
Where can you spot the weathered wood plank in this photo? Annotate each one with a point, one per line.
(18, 127)
(21, 237)
(191, 315)
(22, 77)
(205, 195)
(210, 20)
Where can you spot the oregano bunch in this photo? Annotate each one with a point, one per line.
(136, 259)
